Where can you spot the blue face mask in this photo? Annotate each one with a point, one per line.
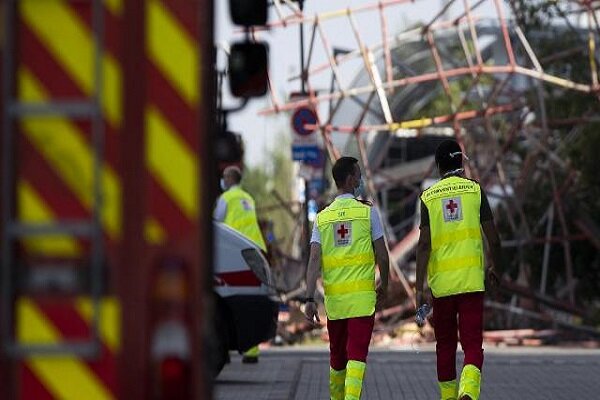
(360, 189)
(222, 183)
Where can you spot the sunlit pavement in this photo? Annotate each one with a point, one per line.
(509, 373)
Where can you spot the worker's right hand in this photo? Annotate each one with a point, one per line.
(381, 294)
(311, 312)
(493, 278)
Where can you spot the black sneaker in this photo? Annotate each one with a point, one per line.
(249, 360)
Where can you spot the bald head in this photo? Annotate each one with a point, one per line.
(232, 176)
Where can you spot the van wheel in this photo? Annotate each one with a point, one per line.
(217, 344)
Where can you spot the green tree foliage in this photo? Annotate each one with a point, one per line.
(562, 50)
(582, 198)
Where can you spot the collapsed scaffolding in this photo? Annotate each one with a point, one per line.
(483, 68)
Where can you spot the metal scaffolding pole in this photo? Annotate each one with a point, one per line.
(493, 107)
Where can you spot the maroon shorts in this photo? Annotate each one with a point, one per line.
(458, 313)
(349, 340)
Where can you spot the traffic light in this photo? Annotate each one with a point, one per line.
(229, 148)
(248, 12)
(248, 61)
(248, 69)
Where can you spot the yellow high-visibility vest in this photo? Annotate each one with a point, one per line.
(456, 263)
(348, 259)
(241, 215)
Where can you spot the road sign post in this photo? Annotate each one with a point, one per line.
(304, 147)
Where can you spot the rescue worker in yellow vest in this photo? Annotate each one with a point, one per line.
(451, 253)
(347, 241)
(235, 208)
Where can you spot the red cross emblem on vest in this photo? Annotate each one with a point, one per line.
(452, 209)
(451, 206)
(342, 231)
(342, 234)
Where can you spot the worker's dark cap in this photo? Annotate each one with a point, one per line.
(448, 150)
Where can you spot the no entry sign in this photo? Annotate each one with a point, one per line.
(300, 118)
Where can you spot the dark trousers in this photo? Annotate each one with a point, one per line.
(349, 340)
(462, 313)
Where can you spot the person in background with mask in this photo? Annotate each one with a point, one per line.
(347, 241)
(235, 208)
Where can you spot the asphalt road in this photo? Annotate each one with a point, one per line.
(509, 373)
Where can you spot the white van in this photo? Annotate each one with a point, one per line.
(245, 307)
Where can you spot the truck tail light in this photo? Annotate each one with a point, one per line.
(171, 333)
(174, 379)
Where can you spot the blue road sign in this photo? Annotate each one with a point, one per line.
(306, 153)
(303, 116)
(319, 162)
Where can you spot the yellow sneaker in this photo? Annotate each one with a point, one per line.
(448, 390)
(355, 373)
(470, 383)
(336, 383)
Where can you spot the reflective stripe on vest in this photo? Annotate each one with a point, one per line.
(349, 287)
(348, 259)
(241, 215)
(456, 263)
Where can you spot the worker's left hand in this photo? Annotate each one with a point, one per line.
(419, 299)
(311, 312)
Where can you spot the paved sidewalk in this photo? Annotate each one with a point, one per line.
(528, 374)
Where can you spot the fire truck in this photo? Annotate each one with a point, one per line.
(108, 178)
